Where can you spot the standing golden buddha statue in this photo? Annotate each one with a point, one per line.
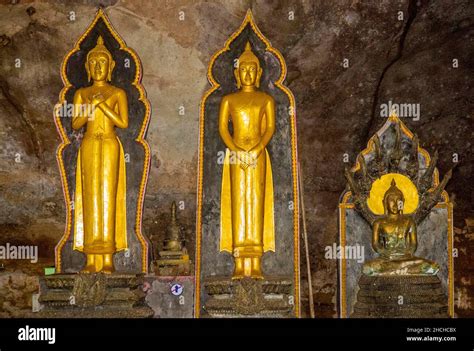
(100, 197)
(247, 223)
(395, 240)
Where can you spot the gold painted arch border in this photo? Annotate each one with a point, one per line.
(140, 139)
(248, 20)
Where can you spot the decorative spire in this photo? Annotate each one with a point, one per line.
(173, 213)
(173, 238)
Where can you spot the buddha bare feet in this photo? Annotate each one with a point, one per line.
(256, 273)
(238, 274)
(108, 270)
(88, 269)
(256, 268)
(239, 268)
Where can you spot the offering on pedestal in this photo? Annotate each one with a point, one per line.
(173, 259)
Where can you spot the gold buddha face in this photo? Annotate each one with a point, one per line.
(393, 200)
(99, 64)
(248, 72)
(394, 204)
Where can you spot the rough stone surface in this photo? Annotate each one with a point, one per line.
(464, 280)
(406, 61)
(18, 283)
(164, 303)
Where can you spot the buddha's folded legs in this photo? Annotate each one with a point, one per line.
(410, 266)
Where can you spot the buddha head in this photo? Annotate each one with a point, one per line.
(393, 200)
(248, 71)
(99, 63)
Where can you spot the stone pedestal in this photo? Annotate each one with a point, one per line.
(400, 297)
(93, 296)
(248, 298)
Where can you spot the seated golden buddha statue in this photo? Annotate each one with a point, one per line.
(395, 240)
(100, 196)
(247, 223)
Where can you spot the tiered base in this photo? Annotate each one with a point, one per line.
(173, 263)
(248, 298)
(93, 296)
(400, 297)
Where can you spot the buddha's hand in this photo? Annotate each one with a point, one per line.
(379, 248)
(253, 154)
(251, 159)
(243, 159)
(97, 99)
